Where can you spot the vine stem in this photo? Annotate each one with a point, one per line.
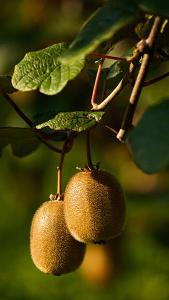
(111, 96)
(30, 124)
(129, 113)
(50, 146)
(104, 90)
(96, 84)
(103, 56)
(18, 110)
(157, 79)
(88, 149)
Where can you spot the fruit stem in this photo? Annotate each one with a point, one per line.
(65, 149)
(88, 148)
(59, 182)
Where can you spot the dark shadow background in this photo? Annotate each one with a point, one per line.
(137, 266)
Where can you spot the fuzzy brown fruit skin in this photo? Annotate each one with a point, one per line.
(94, 206)
(53, 249)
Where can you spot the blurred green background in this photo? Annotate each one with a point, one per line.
(138, 267)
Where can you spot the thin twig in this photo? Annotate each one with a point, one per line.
(41, 139)
(111, 129)
(88, 149)
(112, 95)
(108, 127)
(103, 56)
(30, 123)
(96, 84)
(129, 113)
(154, 80)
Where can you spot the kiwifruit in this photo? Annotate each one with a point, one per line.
(94, 206)
(53, 249)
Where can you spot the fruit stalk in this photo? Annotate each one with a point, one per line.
(88, 149)
(59, 171)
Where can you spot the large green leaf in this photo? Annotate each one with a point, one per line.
(23, 141)
(42, 70)
(101, 26)
(75, 121)
(149, 141)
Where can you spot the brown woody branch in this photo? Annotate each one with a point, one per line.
(148, 48)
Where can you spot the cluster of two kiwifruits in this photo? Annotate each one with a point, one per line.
(92, 210)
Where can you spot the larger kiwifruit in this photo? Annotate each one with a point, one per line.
(94, 206)
(53, 249)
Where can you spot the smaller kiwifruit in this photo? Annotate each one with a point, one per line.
(94, 206)
(53, 249)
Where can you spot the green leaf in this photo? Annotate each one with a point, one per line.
(49, 133)
(6, 84)
(75, 121)
(42, 70)
(149, 141)
(101, 26)
(23, 141)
